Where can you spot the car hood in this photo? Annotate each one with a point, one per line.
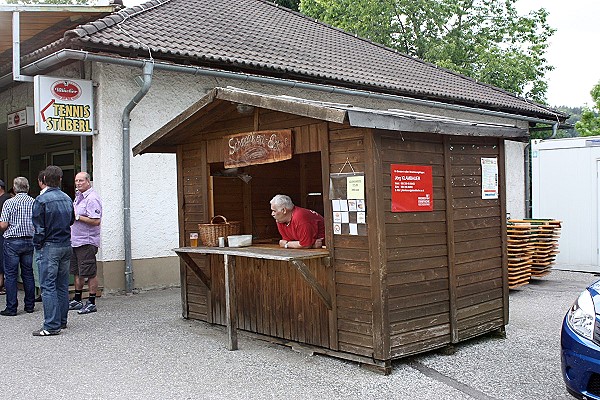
(594, 290)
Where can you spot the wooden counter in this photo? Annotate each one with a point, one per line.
(266, 252)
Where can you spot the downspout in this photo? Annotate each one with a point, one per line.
(527, 161)
(148, 68)
(554, 130)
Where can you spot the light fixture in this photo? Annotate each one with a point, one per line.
(244, 109)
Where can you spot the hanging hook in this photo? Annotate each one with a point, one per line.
(347, 163)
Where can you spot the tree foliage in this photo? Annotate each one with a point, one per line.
(589, 125)
(291, 4)
(484, 39)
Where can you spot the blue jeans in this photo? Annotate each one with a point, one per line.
(18, 250)
(53, 263)
(2, 254)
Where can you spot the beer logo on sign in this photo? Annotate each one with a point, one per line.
(66, 90)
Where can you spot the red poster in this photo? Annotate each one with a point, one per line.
(412, 188)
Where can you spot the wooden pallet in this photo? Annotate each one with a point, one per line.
(532, 245)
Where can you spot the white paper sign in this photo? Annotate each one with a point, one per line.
(489, 178)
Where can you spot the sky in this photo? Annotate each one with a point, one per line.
(573, 49)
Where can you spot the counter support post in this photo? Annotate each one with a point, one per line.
(230, 304)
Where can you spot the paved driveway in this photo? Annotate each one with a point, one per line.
(138, 347)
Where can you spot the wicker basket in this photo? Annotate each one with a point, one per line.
(210, 233)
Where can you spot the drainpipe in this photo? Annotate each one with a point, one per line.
(148, 68)
(527, 161)
(554, 130)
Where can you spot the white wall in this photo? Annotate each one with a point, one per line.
(154, 217)
(515, 179)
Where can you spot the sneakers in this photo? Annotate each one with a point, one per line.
(75, 305)
(7, 313)
(89, 308)
(44, 332)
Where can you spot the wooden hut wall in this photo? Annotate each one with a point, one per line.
(444, 268)
(353, 299)
(480, 272)
(192, 178)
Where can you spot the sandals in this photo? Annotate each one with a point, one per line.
(2, 291)
(44, 332)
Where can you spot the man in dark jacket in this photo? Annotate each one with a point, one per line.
(52, 218)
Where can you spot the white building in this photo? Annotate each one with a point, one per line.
(195, 49)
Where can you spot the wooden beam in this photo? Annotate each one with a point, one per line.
(195, 268)
(433, 124)
(502, 180)
(180, 211)
(312, 282)
(230, 302)
(450, 239)
(374, 193)
(323, 134)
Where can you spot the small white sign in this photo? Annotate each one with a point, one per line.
(19, 119)
(63, 106)
(489, 178)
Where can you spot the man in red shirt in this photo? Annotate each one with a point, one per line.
(300, 228)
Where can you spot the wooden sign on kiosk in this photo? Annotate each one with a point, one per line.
(260, 147)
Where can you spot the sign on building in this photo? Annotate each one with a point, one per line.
(260, 147)
(19, 119)
(412, 188)
(63, 106)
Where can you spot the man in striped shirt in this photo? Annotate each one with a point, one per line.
(15, 221)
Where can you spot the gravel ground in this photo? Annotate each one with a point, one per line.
(138, 347)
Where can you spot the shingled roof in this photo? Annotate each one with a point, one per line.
(259, 37)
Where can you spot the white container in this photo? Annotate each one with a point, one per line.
(239, 240)
(565, 174)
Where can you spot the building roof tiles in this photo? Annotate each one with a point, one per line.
(257, 36)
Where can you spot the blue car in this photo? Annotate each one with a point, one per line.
(580, 345)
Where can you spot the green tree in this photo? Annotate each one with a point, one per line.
(291, 4)
(589, 125)
(484, 39)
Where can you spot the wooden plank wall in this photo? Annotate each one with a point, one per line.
(417, 254)
(478, 238)
(353, 295)
(444, 267)
(273, 299)
(192, 211)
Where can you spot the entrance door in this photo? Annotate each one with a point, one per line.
(66, 161)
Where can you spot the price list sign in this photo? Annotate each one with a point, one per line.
(412, 188)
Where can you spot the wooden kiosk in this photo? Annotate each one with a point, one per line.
(422, 267)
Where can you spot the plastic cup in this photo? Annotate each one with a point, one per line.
(194, 239)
